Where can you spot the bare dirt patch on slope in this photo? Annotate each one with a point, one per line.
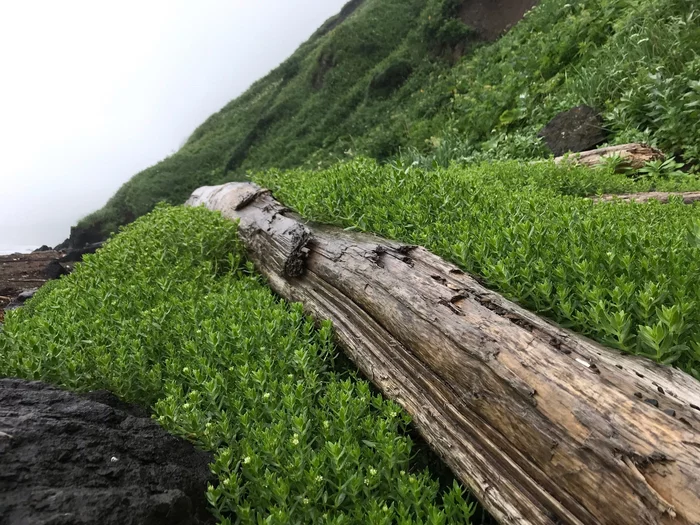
(492, 18)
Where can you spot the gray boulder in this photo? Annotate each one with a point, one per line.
(578, 129)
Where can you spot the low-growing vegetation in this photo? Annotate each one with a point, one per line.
(625, 274)
(170, 315)
(391, 76)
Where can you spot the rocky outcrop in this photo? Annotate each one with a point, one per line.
(578, 129)
(76, 254)
(70, 459)
(22, 272)
(491, 18)
(26, 272)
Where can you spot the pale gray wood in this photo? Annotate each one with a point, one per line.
(543, 425)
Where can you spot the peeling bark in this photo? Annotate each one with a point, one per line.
(543, 425)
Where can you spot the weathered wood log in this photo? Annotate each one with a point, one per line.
(544, 426)
(688, 197)
(633, 155)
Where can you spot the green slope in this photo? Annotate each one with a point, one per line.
(386, 76)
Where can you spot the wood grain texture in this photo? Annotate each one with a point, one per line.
(688, 197)
(634, 156)
(543, 425)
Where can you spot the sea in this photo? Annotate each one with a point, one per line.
(7, 249)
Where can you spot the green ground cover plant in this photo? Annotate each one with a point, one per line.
(386, 77)
(625, 274)
(169, 314)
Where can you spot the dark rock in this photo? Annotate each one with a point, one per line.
(86, 459)
(43, 248)
(54, 270)
(579, 129)
(21, 298)
(491, 18)
(76, 254)
(83, 235)
(65, 245)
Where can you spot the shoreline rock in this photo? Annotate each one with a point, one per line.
(81, 459)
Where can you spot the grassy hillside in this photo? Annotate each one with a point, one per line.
(407, 76)
(400, 118)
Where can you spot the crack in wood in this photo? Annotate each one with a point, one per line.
(512, 434)
(295, 264)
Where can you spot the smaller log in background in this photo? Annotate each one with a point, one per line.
(544, 426)
(688, 197)
(634, 156)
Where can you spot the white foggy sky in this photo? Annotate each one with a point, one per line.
(91, 92)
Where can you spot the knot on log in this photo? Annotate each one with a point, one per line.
(560, 421)
(295, 264)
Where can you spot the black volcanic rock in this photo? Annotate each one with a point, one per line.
(70, 459)
(575, 130)
(54, 270)
(76, 254)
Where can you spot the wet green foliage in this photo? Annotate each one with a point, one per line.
(168, 314)
(625, 274)
(636, 61)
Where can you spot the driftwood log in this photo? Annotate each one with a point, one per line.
(688, 197)
(544, 426)
(634, 156)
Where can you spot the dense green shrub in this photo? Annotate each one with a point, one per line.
(390, 78)
(623, 273)
(168, 314)
(441, 27)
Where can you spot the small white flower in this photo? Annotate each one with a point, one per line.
(266, 395)
(246, 460)
(295, 441)
(372, 471)
(319, 478)
(208, 425)
(326, 424)
(393, 414)
(114, 459)
(385, 508)
(186, 370)
(366, 481)
(306, 501)
(186, 406)
(227, 482)
(403, 472)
